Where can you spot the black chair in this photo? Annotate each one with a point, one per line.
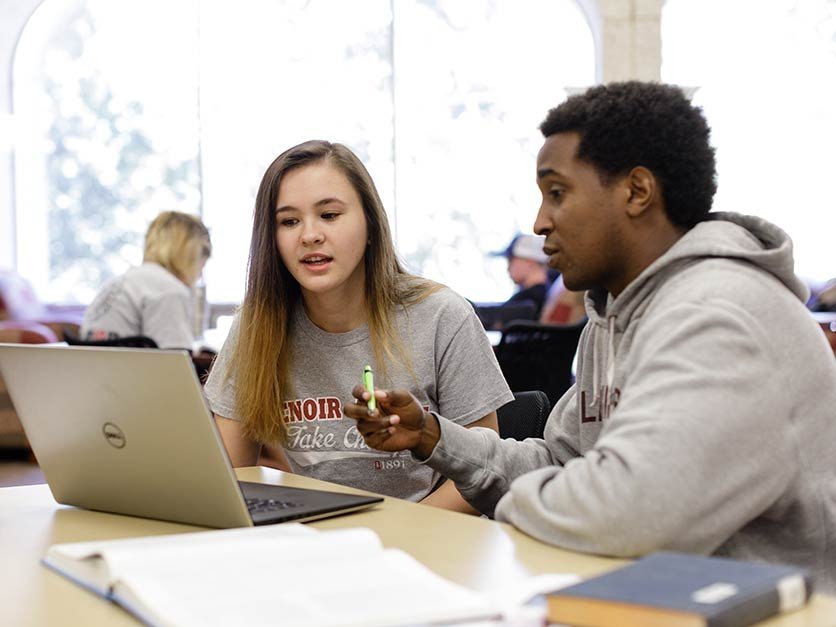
(495, 316)
(131, 341)
(202, 362)
(525, 416)
(535, 356)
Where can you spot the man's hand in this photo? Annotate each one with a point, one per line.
(398, 423)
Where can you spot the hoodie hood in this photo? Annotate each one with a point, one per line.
(720, 235)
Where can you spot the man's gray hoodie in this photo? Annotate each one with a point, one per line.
(703, 418)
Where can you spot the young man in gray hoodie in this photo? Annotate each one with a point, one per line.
(704, 414)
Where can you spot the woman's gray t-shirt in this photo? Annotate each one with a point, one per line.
(456, 375)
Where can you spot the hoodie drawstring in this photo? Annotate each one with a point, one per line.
(610, 362)
(610, 352)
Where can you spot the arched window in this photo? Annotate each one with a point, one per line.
(128, 110)
(105, 95)
(765, 74)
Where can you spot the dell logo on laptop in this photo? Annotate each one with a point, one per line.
(113, 435)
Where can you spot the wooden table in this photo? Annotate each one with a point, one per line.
(476, 552)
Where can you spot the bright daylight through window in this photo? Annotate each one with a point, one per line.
(765, 78)
(132, 108)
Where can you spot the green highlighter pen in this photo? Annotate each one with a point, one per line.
(368, 382)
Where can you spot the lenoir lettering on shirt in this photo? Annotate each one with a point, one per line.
(300, 415)
(321, 408)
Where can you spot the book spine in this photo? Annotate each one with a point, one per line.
(75, 578)
(789, 593)
(143, 614)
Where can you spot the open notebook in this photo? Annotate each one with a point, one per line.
(281, 575)
(128, 431)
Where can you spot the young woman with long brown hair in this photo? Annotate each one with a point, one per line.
(325, 296)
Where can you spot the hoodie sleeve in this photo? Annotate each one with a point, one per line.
(699, 444)
(483, 466)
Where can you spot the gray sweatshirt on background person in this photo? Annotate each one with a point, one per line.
(147, 300)
(703, 418)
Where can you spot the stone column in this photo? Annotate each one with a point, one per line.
(627, 35)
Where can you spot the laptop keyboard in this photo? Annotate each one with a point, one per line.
(269, 505)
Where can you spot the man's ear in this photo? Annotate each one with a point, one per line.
(642, 190)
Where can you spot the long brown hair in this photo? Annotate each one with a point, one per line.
(263, 356)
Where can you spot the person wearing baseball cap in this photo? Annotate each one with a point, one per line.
(527, 268)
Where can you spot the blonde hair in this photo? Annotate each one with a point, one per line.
(262, 357)
(179, 242)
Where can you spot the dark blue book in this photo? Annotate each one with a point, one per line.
(679, 590)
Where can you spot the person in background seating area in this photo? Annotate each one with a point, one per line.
(825, 300)
(155, 299)
(527, 269)
(562, 305)
(823, 304)
(702, 419)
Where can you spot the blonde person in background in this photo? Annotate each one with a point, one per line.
(325, 296)
(155, 299)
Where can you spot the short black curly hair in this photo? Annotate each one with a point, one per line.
(628, 124)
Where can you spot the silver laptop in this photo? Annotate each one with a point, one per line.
(128, 431)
